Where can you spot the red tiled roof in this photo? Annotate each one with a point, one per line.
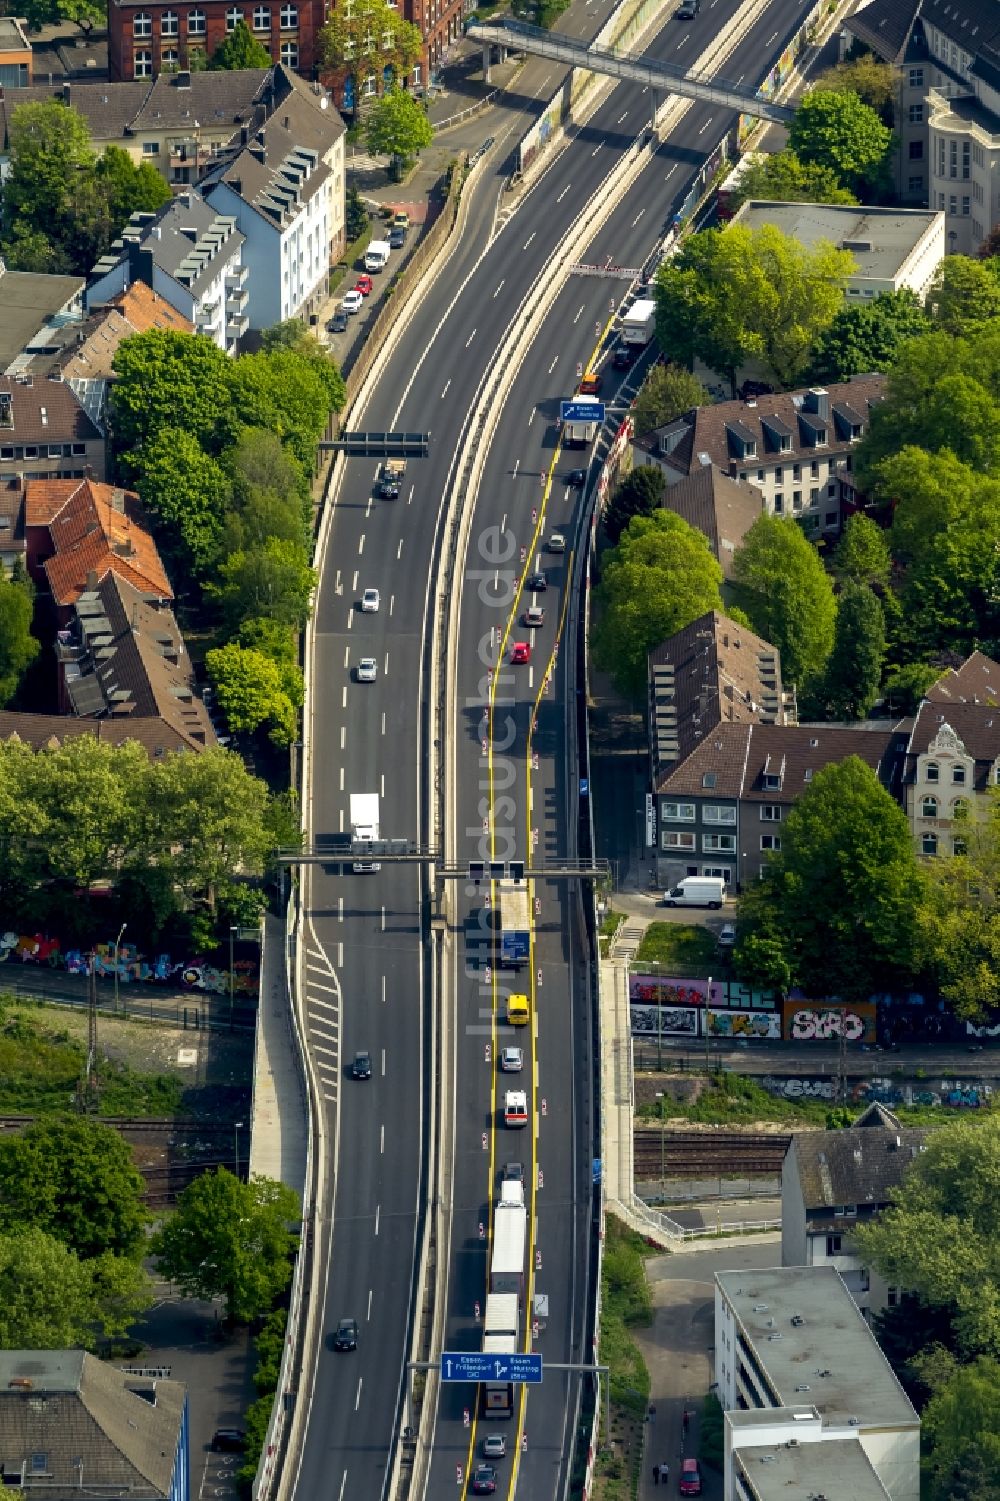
(94, 529)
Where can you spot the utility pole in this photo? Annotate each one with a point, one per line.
(708, 1013)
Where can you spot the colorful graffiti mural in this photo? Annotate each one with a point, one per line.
(671, 990)
(133, 967)
(812, 1021)
(744, 1024)
(663, 1021)
(891, 1092)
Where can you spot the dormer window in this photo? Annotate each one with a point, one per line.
(773, 775)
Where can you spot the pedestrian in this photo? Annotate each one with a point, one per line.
(656, 1474)
(664, 1473)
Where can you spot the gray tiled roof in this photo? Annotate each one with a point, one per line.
(717, 506)
(738, 755)
(185, 240)
(973, 24)
(977, 725)
(31, 312)
(976, 681)
(859, 1165)
(281, 163)
(885, 26)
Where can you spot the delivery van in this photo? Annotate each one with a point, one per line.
(377, 255)
(696, 891)
(517, 1010)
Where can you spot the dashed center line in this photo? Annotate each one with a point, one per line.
(444, 393)
(529, 239)
(470, 338)
(499, 289)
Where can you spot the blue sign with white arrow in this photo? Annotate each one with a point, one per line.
(581, 411)
(479, 1365)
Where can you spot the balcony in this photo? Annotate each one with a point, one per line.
(236, 302)
(237, 327)
(237, 278)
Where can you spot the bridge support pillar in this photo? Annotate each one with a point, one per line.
(487, 61)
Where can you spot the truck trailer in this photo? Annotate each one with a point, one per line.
(515, 931)
(510, 1233)
(364, 827)
(501, 1328)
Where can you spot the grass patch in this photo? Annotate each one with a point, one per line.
(625, 1305)
(40, 1068)
(679, 948)
(608, 929)
(711, 1432)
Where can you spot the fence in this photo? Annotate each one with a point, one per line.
(202, 1013)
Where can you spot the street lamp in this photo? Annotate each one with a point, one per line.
(708, 1014)
(232, 936)
(237, 1128)
(659, 1096)
(117, 945)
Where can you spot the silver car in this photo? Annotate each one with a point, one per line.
(370, 601)
(494, 1446)
(367, 670)
(511, 1061)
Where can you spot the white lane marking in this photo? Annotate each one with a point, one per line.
(673, 169)
(529, 239)
(597, 148)
(341, 779)
(531, 677)
(503, 524)
(381, 1137)
(470, 338)
(553, 365)
(343, 736)
(342, 1485)
(444, 393)
(517, 464)
(340, 956)
(341, 829)
(383, 990)
(392, 601)
(566, 189)
(409, 498)
(383, 1071)
(343, 702)
(773, 39)
(350, 618)
(368, 507)
(622, 117)
(357, 1400)
(741, 78)
(399, 550)
(499, 289)
(340, 909)
(369, 1303)
(332, 1052)
(638, 217)
(347, 656)
(532, 417)
(361, 544)
(386, 668)
(338, 586)
(705, 126)
(356, 577)
(578, 316)
(680, 44)
(383, 919)
(378, 1209)
(383, 721)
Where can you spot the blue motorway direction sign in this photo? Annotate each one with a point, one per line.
(581, 411)
(475, 1365)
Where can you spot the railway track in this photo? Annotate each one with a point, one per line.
(706, 1154)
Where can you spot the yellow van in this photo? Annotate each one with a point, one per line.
(517, 1010)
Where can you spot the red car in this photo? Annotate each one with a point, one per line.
(520, 652)
(690, 1481)
(364, 284)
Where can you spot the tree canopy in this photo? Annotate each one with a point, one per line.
(239, 48)
(874, 82)
(862, 555)
(398, 126)
(783, 178)
(231, 1239)
(667, 392)
(853, 672)
(50, 1299)
(638, 494)
(961, 918)
(787, 595)
(188, 492)
(18, 647)
(866, 336)
(659, 578)
(83, 13)
(251, 692)
(836, 910)
(740, 294)
(837, 130)
(347, 40)
(964, 297)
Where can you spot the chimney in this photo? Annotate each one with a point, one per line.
(67, 91)
(818, 401)
(91, 579)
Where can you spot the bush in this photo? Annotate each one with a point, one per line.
(711, 1432)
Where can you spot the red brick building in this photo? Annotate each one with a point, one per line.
(148, 37)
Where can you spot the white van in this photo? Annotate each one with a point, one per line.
(377, 255)
(696, 891)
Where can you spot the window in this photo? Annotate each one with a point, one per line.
(952, 203)
(915, 184)
(150, 148)
(777, 475)
(832, 517)
(916, 79)
(718, 844)
(779, 504)
(233, 15)
(169, 59)
(814, 469)
(958, 775)
(674, 840)
(39, 1464)
(196, 23)
(952, 159)
(916, 113)
(959, 845)
(290, 58)
(262, 18)
(916, 151)
(966, 205)
(796, 500)
(142, 24)
(170, 23)
(929, 807)
(893, 1297)
(931, 772)
(143, 64)
(833, 1244)
(770, 841)
(760, 475)
(966, 160)
(929, 844)
(813, 494)
(850, 1211)
(713, 813)
(416, 76)
(941, 202)
(770, 812)
(387, 41)
(289, 17)
(679, 812)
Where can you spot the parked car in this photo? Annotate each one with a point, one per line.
(338, 323)
(346, 1336)
(727, 935)
(690, 1480)
(352, 302)
(364, 284)
(401, 220)
(397, 237)
(230, 1440)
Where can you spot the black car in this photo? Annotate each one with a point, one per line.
(397, 238)
(361, 1068)
(388, 489)
(229, 1440)
(484, 1480)
(537, 581)
(687, 10)
(577, 478)
(623, 357)
(338, 323)
(346, 1337)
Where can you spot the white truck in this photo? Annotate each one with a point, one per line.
(510, 1234)
(582, 430)
(501, 1328)
(639, 323)
(377, 255)
(364, 827)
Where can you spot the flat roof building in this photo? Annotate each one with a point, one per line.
(797, 1367)
(892, 247)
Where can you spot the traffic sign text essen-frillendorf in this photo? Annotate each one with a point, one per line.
(477, 1365)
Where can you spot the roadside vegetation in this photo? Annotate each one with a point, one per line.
(711, 1432)
(625, 1305)
(609, 927)
(679, 948)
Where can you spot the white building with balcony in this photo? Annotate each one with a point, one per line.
(190, 255)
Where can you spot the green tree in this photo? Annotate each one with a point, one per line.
(74, 1179)
(18, 647)
(274, 580)
(862, 555)
(846, 834)
(27, 249)
(659, 578)
(837, 130)
(188, 493)
(345, 39)
(787, 595)
(49, 145)
(83, 13)
(874, 82)
(867, 336)
(667, 392)
(639, 494)
(907, 685)
(357, 215)
(737, 294)
(964, 297)
(398, 127)
(250, 692)
(239, 49)
(51, 1300)
(289, 392)
(854, 670)
(962, 916)
(231, 1239)
(782, 178)
(939, 1236)
(990, 247)
(161, 377)
(129, 188)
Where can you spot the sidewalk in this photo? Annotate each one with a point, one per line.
(279, 1132)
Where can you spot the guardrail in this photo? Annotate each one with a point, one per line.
(662, 1224)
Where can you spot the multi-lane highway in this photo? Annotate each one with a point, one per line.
(365, 936)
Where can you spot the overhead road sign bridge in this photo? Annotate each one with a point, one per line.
(480, 1365)
(520, 37)
(379, 445)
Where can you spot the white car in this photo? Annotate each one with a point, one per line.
(727, 935)
(556, 542)
(367, 670)
(352, 301)
(370, 601)
(511, 1061)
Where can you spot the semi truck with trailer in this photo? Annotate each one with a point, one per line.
(514, 926)
(501, 1328)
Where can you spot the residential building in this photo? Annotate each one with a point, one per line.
(71, 1425)
(45, 731)
(974, 681)
(283, 185)
(145, 39)
(15, 54)
(46, 432)
(893, 248)
(833, 1181)
(949, 108)
(77, 532)
(188, 254)
(811, 1404)
(796, 448)
(12, 544)
(34, 311)
(720, 508)
(122, 657)
(952, 759)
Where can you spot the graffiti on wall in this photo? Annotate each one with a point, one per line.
(664, 1021)
(670, 990)
(812, 1021)
(133, 967)
(891, 1092)
(744, 1024)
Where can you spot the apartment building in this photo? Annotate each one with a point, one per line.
(948, 52)
(811, 1405)
(795, 447)
(163, 36)
(188, 254)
